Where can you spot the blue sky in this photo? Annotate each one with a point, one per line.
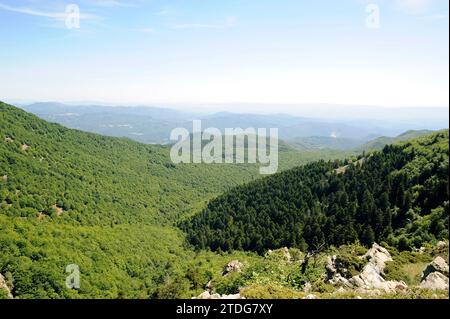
(233, 51)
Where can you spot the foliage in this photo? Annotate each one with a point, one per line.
(105, 204)
(109, 205)
(399, 195)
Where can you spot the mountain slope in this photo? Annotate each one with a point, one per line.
(380, 142)
(106, 204)
(399, 195)
(323, 142)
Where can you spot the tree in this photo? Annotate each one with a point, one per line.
(368, 236)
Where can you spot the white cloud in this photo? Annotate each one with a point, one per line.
(230, 22)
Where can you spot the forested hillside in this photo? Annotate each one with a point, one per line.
(109, 205)
(399, 195)
(105, 204)
(380, 142)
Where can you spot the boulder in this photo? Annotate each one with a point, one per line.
(378, 256)
(435, 281)
(204, 295)
(310, 296)
(335, 272)
(307, 287)
(331, 265)
(372, 275)
(338, 280)
(437, 265)
(233, 266)
(208, 295)
(441, 245)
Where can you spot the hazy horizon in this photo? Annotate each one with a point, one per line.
(313, 110)
(390, 53)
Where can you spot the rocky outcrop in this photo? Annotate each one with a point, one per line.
(4, 286)
(435, 281)
(307, 287)
(371, 277)
(337, 274)
(435, 275)
(233, 266)
(441, 245)
(208, 295)
(437, 265)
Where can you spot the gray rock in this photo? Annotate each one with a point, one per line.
(437, 265)
(372, 275)
(442, 245)
(233, 266)
(208, 295)
(435, 281)
(308, 287)
(335, 272)
(338, 280)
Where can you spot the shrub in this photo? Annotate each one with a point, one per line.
(270, 292)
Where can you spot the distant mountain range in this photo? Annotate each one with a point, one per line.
(152, 125)
(380, 142)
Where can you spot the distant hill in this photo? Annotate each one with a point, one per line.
(153, 125)
(323, 142)
(143, 124)
(380, 142)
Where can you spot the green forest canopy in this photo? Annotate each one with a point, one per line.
(399, 195)
(110, 205)
(106, 204)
